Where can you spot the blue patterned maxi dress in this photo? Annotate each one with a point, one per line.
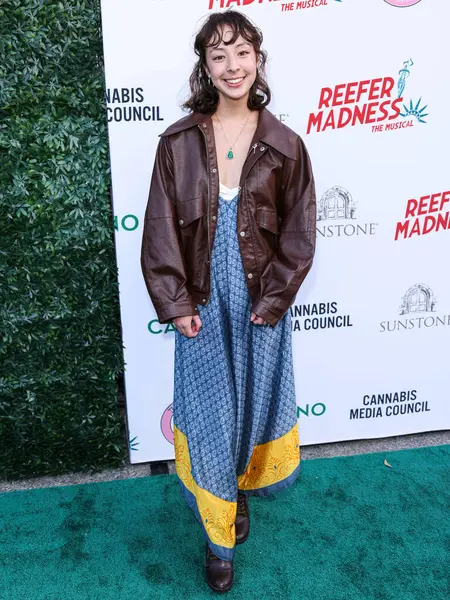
(234, 405)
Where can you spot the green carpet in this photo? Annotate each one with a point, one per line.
(349, 528)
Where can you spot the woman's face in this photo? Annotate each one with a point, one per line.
(232, 68)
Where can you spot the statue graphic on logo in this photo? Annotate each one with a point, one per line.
(404, 74)
(414, 109)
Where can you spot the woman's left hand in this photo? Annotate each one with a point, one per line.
(257, 320)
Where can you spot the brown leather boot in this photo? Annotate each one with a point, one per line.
(219, 573)
(242, 519)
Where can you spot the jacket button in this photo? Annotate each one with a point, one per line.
(203, 300)
(262, 148)
(181, 221)
(242, 233)
(214, 217)
(214, 170)
(204, 124)
(250, 275)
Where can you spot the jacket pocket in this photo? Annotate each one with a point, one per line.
(188, 212)
(267, 219)
(191, 219)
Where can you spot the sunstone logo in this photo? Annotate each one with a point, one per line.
(418, 305)
(283, 117)
(336, 215)
(323, 315)
(389, 404)
(377, 102)
(128, 104)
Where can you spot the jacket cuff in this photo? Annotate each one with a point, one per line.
(169, 312)
(265, 311)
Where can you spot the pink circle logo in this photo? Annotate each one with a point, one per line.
(166, 424)
(402, 3)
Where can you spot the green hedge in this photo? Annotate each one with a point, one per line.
(61, 349)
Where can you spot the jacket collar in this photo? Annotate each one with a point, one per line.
(269, 130)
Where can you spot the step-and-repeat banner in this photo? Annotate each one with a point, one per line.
(366, 84)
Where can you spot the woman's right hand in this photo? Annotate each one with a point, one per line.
(184, 325)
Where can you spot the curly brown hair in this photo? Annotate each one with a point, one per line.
(204, 96)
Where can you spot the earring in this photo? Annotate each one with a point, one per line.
(209, 80)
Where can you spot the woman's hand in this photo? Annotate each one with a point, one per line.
(184, 325)
(257, 320)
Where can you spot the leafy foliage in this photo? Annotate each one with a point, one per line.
(61, 348)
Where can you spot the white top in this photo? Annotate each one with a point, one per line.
(227, 193)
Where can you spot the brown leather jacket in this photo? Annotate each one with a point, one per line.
(276, 219)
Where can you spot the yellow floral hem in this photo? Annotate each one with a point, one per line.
(218, 515)
(269, 464)
(272, 462)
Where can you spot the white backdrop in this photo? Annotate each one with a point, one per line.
(372, 321)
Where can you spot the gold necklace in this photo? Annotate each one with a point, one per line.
(230, 153)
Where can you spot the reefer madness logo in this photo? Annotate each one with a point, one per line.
(285, 6)
(377, 102)
(297, 5)
(424, 215)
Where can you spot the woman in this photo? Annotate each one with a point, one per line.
(229, 236)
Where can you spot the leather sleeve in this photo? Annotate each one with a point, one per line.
(162, 260)
(284, 274)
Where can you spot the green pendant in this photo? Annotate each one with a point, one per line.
(230, 154)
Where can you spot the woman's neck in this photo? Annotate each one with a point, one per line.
(232, 109)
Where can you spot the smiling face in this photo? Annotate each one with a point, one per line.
(232, 67)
